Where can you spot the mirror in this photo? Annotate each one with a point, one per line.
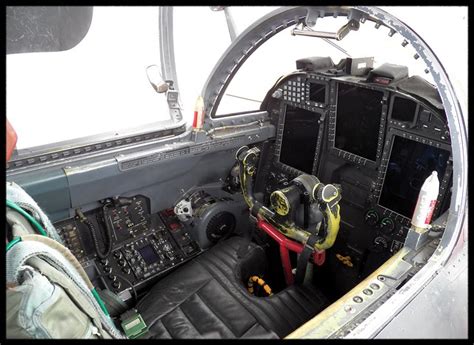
(154, 77)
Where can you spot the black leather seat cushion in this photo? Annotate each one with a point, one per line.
(206, 298)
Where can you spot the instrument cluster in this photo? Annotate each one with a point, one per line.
(378, 141)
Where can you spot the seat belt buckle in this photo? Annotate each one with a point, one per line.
(133, 324)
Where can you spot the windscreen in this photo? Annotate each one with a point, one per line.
(300, 136)
(358, 120)
(409, 165)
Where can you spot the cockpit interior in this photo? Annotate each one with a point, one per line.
(255, 227)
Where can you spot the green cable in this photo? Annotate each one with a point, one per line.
(99, 300)
(33, 221)
(13, 242)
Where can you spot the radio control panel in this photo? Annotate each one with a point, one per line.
(144, 246)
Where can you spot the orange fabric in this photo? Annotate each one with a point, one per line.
(11, 140)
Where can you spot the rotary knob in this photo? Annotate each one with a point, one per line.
(126, 270)
(380, 244)
(387, 225)
(118, 254)
(116, 284)
(371, 217)
(121, 262)
(107, 269)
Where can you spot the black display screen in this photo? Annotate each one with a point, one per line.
(403, 109)
(148, 254)
(410, 163)
(317, 92)
(359, 111)
(300, 136)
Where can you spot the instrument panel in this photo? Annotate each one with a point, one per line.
(123, 247)
(377, 142)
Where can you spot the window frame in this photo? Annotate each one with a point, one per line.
(77, 147)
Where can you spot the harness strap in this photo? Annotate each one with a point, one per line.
(304, 257)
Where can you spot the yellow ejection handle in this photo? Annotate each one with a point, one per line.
(329, 196)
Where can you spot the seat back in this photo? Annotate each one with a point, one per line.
(48, 293)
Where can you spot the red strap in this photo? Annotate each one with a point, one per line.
(11, 140)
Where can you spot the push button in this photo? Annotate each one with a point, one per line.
(174, 226)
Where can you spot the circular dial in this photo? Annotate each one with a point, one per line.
(371, 217)
(380, 244)
(220, 226)
(387, 225)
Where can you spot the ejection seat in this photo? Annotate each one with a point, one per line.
(207, 298)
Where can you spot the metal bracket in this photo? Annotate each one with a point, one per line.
(172, 96)
(311, 17)
(416, 239)
(338, 36)
(229, 19)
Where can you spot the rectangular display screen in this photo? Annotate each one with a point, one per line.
(409, 165)
(359, 111)
(403, 109)
(148, 254)
(300, 136)
(317, 92)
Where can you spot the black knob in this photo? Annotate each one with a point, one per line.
(116, 284)
(121, 262)
(380, 244)
(387, 225)
(371, 217)
(107, 269)
(118, 254)
(104, 261)
(126, 270)
(112, 277)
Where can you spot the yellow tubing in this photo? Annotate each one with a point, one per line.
(333, 228)
(333, 217)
